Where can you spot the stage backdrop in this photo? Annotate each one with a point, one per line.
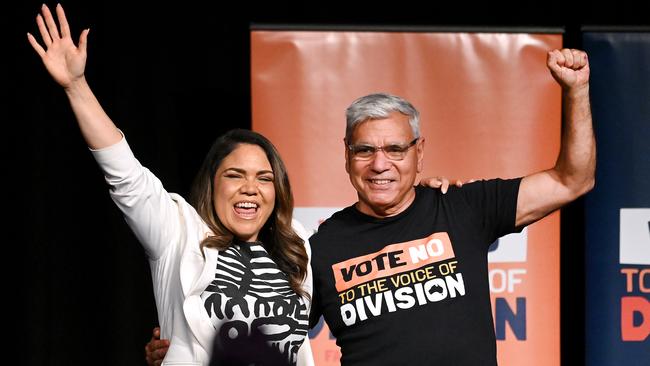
(618, 210)
(489, 108)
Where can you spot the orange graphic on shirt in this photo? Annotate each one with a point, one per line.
(393, 258)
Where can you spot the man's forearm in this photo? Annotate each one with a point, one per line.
(576, 164)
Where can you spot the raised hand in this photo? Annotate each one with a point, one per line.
(63, 60)
(569, 67)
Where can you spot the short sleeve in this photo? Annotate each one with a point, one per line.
(494, 204)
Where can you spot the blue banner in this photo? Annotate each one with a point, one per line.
(618, 210)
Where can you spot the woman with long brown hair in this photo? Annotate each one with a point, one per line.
(231, 272)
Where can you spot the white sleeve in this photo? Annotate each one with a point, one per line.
(305, 356)
(150, 211)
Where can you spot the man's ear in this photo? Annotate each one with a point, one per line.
(347, 156)
(419, 149)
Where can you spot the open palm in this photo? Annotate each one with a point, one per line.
(63, 60)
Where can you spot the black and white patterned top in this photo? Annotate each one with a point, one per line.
(255, 312)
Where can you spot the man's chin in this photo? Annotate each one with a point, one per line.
(384, 203)
(379, 202)
(381, 198)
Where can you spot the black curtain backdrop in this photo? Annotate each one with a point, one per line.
(77, 288)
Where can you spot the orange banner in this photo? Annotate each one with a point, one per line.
(489, 108)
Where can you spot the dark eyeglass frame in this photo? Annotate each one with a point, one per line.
(394, 152)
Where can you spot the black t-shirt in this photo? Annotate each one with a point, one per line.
(412, 289)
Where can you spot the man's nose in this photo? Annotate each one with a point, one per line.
(380, 161)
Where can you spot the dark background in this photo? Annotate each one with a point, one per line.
(77, 285)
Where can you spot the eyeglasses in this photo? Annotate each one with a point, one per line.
(392, 152)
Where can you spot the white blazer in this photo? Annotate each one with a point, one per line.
(170, 231)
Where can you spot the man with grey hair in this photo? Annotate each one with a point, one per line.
(401, 276)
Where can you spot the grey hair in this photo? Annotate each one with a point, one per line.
(378, 106)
